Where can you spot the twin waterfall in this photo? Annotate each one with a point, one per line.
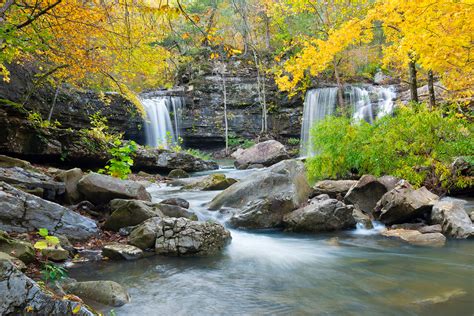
(367, 103)
(163, 121)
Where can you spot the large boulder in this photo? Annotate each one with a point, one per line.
(105, 292)
(100, 189)
(321, 215)
(262, 213)
(28, 180)
(21, 295)
(416, 237)
(182, 237)
(17, 248)
(365, 193)
(285, 181)
(130, 213)
(453, 218)
(144, 235)
(71, 179)
(266, 153)
(10, 162)
(23, 212)
(159, 160)
(336, 189)
(213, 182)
(178, 174)
(403, 204)
(175, 211)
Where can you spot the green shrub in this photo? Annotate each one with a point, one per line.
(293, 141)
(120, 165)
(37, 120)
(415, 144)
(198, 154)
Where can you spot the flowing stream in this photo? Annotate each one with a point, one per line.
(163, 123)
(275, 273)
(366, 103)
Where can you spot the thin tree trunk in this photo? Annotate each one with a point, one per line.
(413, 83)
(340, 86)
(54, 103)
(431, 89)
(226, 125)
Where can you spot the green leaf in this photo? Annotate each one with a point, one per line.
(41, 244)
(43, 232)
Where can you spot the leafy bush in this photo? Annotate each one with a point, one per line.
(53, 273)
(100, 130)
(198, 154)
(47, 241)
(293, 141)
(37, 120)
(120, 165)
(235, 141)
(416, 144)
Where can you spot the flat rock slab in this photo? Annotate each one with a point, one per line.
(415, 237)
(116, 251)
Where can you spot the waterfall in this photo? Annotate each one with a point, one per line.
(367, 103)
(163, 121)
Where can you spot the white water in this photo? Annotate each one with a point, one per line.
(367, 103)
(160, 128)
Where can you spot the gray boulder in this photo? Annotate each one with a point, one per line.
(71, 179)
(336, 189)
(175, 211)
(285, 181)
(105, 292)
(176, 201)
(23, 212)
(453, 218)
(144, 235)
(417, 238)
(365, 193)
(178, 174)
(213, 182)
(129, 213)
(117, 251)
(182, 237)
(321, 215)
(20, 293)
(362, 219)
(10, 162)
(263, 213)
(20, 265)
(17, 248)
(100, 189)
(266, 153)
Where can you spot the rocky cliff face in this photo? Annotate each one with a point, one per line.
(203, 117)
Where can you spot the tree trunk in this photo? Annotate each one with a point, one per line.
(54, 103)
(340, 87)
(413, 83)
(226, 125)
(431, 89)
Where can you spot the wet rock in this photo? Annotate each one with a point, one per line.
(415, 237)
(20, 265)
(17, 248)
(175, 211)
(182, 237)
(336, 189)
(217, 181)
(129, 213)
(362, 219)
(365, 193)
(10, 162)
(178, 174)
(156, 160)
(56, 253)
(390, 182)
(430, 229)
(143, 236)
(453, 218)
(71, 179)
(321, 216)
(261, 214)
(29, 180)
(117, 251)
(19, 292)
(285, 181)
(176, 201)
(404, 204)
(266, 153)
(23, 212)
(105, 292)
(100, 189)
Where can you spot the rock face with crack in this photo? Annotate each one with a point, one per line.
(23, 212)
(183, 237)
(21, 295)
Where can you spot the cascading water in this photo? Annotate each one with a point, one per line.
(163, 122)
(367, 103)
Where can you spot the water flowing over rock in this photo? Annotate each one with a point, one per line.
(321, 215)
(365, 193)
(266, 153)
(285, 180)
(417, 238)
(100, 189)
(453, 218)
(23, 212)
(403, 204)
(182, 237)
(367, 103)
(130, 213)
(336, 189)
(105, 292)
(19, 292)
